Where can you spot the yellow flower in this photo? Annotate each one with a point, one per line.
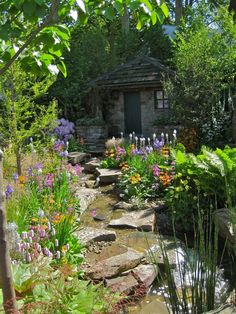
(135, 179)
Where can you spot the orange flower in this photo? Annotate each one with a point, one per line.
(124, 166)
(164, 178)
(165, 151)
(21, 179)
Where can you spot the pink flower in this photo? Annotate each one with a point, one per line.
(94, 213)
(156, 170)
(49, 180)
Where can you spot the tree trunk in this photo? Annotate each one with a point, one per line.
(9, 297)
(18, 160)
(178, 11)
(125, 20)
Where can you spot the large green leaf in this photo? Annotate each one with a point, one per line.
(62, 68)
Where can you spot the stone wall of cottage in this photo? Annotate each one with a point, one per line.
(115, 115)
(148, 112)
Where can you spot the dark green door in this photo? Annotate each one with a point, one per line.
(132, 113)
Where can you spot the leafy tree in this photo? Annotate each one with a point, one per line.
(205, 69)
(42, 26)
(21, 117)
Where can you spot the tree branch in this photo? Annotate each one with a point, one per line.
(52, 18)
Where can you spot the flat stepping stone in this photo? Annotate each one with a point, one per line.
(108, 176)
(88, 235)
(92, 165)
(115, 265)
(141, 220)
(77, 157)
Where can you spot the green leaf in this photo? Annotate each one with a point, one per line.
(147, 4)
(180, 157)
(165, 9)
(18, 3)
(29, 7)
(154, 17)
(39, 2)
(62, 68)
(62, 31)
(160, 15)
(109, 13)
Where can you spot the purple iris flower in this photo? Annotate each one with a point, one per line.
(158, 144)
(15, 176)
(9, 191)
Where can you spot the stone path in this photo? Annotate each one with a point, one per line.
(122, 265)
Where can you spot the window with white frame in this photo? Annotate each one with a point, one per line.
(161, 100)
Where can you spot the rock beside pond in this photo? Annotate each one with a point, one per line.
(141, 220)
(123, 205)
(155, 255)
(77, 157)
(225, 225)
(224, 309)
(156, 307)
(88, 235)
(86, 197)
(114, 265)
(126, 284)
(146, 273)
(108, 176)
(92, 165)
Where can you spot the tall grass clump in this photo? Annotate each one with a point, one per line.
(197, 269)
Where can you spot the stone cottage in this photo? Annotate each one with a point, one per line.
(134, 96)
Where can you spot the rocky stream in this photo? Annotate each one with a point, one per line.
(121, 248)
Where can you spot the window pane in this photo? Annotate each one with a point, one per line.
(159, 94)
(166, 104)
(160, 104)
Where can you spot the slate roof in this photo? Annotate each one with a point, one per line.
(142, 71)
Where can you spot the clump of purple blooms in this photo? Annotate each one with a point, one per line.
(65, 129)
(9, 190)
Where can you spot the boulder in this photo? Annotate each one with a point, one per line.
(146, 273)
(223, 309)
(108, 176)
(114, 265)
(92, 165)
(223, 217)
(141, 220)
(123, 284)
(88, 235)
(86, 197)
(123, 205)
(154, 253)
(77, 157)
